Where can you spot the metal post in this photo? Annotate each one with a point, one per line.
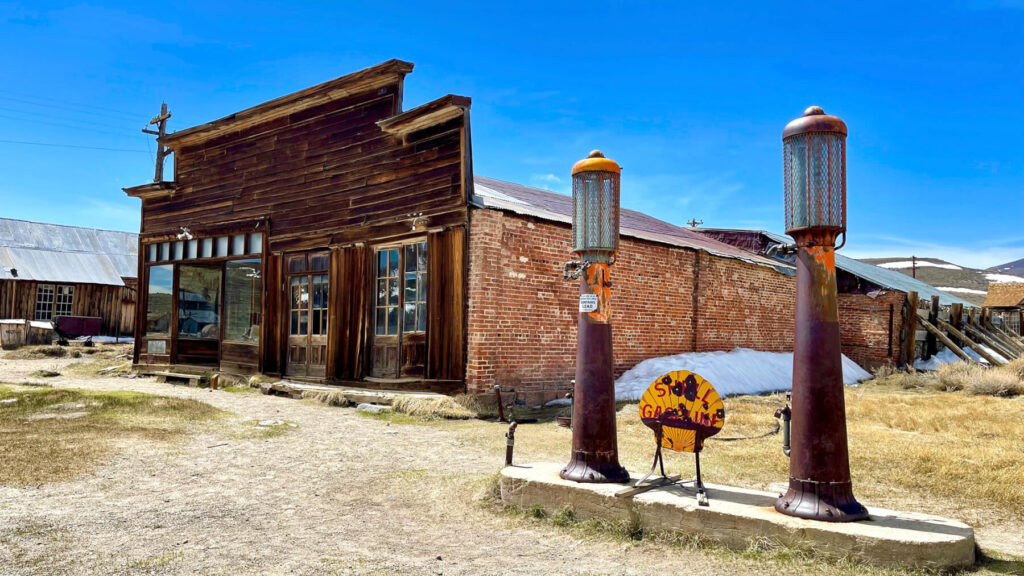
(595, 455)
(820, 487)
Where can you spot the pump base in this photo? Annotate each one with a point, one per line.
(824, 501)
(595, 468)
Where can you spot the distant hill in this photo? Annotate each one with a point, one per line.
(1015, 268)
(970, 284)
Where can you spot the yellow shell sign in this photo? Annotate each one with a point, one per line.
(683, 409)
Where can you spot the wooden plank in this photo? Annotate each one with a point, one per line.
(980, 334)
(942, 337)
(910, 324)
(931, 347)
(963, 338)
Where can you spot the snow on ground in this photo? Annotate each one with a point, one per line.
(946, 356)
(963, 290)
(741, 371)
(920, 263)
(1003, 278)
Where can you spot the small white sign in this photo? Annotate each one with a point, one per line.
(588, 302)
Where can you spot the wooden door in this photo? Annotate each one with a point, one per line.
(400, 323)
(307, 297)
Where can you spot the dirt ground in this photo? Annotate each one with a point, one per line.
(339, 493)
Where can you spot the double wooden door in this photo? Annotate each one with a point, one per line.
(400, 311)
(308, 287)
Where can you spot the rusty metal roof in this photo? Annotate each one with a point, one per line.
(546, 205)
(56, 253)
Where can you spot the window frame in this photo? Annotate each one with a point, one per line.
(421, 278)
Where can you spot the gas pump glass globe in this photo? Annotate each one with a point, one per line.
(814, 171)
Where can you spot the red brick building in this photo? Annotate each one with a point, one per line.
(872, 300)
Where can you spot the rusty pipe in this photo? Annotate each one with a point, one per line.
(510, 443)
(785, 415)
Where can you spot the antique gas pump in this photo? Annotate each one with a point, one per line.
(595, 239)
(814, 159)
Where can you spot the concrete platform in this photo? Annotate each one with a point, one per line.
(737, 516)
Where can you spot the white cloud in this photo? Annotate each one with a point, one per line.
(979, 255)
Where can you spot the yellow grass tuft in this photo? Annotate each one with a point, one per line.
(432, 407)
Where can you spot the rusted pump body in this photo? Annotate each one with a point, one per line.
(820, 487)
(595, 454)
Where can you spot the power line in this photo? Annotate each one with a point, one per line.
(118, 116)
(68, 126)
(71, 146)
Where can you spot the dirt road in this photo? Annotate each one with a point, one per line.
(339, 493)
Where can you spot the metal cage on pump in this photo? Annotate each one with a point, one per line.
(814, 171)
(595, 195)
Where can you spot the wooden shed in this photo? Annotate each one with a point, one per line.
(1006, 301)
(50, 270)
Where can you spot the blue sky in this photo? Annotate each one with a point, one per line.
(690, 98)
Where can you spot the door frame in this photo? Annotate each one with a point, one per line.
(316, 263)
(401, 338)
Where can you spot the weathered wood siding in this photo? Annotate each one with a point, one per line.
(114, 304)
(324, 175)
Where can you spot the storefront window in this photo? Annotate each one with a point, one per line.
(158, 301)
(242, 301)
(199, 302)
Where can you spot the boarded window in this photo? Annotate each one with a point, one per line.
(242, 301)
(199, 302)
(158, 300)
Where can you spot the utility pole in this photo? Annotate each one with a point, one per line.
(694, 222)
(161, 150)
(913, 266)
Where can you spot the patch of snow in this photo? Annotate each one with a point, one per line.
(269, 423)
(740, 371)
(41, 324)
(559, 402)
(963, 290)
(1003, 278)
(920, 263)
(112, 340)
(8, 401)
(945, 356)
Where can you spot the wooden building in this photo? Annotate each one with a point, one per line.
(320, 235)
(1005, 300)
(50, 270)
(330, 235)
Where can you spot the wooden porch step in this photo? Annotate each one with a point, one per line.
(191, 379)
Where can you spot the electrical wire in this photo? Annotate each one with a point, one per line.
(70, 107)
(72, 146)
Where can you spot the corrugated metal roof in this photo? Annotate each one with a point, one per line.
(56, 253)
(497, 194)
(883, 277)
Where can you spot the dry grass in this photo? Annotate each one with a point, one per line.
(432, 408)
(974, 379)
(41, 441)
(948, 453)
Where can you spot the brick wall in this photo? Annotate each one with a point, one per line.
(865, 328)
(522, 315)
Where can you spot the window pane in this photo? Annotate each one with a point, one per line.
(151, 251)
(410, 257)
(242, 301)
(191, 249)
(319, 262)
(422, 295)
(294, 329)
(421, 317)
(63, 301)
(158, 299)
(421, 256)
(199, 302)
(238, 244)
(382, 263)
(410, 288)
(206, 249)
(393, 263)
(315, 326)
(303, 323)
(255, 243)
(393, 292)
(393, 320)
(165, 251)
(179, 250)
(409, 317)
(381, 327)
(222, 246)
